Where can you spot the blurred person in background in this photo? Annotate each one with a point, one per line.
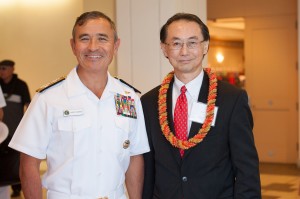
(4, 189)
(17, 98)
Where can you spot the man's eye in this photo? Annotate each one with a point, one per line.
(193, 44)
(103, 39)
(176, 44)
(84, 39)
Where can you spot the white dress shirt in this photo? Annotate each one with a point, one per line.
(192, 93)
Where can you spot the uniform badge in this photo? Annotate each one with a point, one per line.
(126, 144)
(72, 112)
(125, 106)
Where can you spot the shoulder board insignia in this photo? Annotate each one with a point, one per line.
(52, 83)
(135, 90)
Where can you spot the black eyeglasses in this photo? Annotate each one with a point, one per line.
(177, 45)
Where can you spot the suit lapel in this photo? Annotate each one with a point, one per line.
(174, 150)
(201, 98)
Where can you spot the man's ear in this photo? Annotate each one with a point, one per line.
(72, 43)
(117, 44)
(163, 48)
(205, 47)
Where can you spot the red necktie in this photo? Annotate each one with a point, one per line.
(180, 117)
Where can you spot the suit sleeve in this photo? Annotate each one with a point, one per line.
(243, 151)
(149, 174)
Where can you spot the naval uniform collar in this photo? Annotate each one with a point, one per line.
(116, 86)
(74, 86)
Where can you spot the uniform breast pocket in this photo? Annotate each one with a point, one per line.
(123, 129)
(123, 124)
(67, 131)
(73, 124)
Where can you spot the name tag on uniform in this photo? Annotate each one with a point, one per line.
(72, 112)
(125, 106)
(198, 113)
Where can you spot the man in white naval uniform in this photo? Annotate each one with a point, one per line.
(78, 124)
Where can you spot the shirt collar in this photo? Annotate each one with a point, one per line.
(193, 87)
(75, 87)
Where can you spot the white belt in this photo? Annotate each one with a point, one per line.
(116, 194)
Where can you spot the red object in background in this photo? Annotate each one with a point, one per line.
(231, 78)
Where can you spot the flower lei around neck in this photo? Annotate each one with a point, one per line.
(163, 115)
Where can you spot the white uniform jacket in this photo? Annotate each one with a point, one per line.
(86, 143)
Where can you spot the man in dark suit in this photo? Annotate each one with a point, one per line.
(199, 128)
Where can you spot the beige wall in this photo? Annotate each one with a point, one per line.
(36, 34)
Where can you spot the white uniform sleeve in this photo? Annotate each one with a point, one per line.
(33, 133)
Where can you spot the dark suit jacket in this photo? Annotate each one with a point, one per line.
(224, 165)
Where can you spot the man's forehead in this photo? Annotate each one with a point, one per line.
(182, 36)
(181, 28)
(94, 26)
(94, 22)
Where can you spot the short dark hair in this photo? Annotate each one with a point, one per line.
(7, 62)
(83, 18)
(186, 17)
